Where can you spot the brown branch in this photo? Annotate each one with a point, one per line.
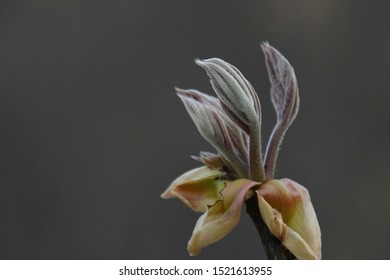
(272, 246)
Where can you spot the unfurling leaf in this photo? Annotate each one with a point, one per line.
(238, 98)
(216, 128)
(238, 137)
(284, 87)
(285, 98)
(241, 103)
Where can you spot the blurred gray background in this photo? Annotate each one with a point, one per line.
(92, 132)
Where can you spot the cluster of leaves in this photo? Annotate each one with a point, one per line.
(231, 123)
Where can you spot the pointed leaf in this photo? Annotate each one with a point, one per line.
(242, 105)
(284, 87)
(285, 98)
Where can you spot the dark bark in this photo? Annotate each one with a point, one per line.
(272, 246)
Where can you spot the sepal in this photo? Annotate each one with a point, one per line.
(286, 209)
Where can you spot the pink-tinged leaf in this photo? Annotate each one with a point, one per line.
(216, 128)
(198, 188)
(220, 218)
(233, 90)
(284, 87)
(286, 209)
(285, 98)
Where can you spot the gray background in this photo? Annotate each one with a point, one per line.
(92, 132)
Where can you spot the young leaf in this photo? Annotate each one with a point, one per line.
(285, 98)
(284, 87)
(213, 128)
(241, 104)
(234, 91)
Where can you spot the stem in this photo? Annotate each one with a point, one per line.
(272, 246)
(273, 147)
(256, 169)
